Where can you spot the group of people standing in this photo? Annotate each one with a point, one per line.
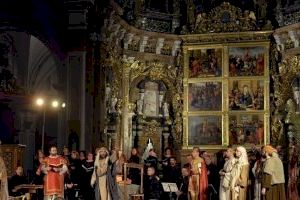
(268, 171)
(73, 176)
(240, 177)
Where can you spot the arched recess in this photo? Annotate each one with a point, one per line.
(37, 70)
(43, 69)
(169, 76)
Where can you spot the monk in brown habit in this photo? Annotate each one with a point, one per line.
(273, 176)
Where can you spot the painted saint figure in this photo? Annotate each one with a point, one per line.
(246, 97)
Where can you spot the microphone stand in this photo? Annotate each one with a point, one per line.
(170, 193)
(214, 190)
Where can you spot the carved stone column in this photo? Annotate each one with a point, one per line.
(27, 127)
(128, 139)
(126, 113)
(166, 137)
(76, 95)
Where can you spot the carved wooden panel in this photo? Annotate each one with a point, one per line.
(13, 156)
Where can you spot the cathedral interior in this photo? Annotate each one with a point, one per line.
(125, 73)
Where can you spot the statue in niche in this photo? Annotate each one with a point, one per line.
(296, 91)
(290, 133)
(201, 25)
(249, 20)
(161, 98)
(166, 109)
(184, 30)
(290, 108)
(191, 14)
(140, 103)
(278, 126)
(151, 99)
(107, 93)
(261, 8)
(113, 103)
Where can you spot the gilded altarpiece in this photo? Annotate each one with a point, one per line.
(285, 118)
(152, 105)
(226, 94)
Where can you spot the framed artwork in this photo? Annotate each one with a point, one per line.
(247, 61)
(205, 96)
(205, 62)
(246, 95)
(246, 129)
(226, 95)
(205, 130)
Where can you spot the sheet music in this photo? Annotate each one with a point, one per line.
(170, 187)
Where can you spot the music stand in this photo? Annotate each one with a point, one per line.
(170, 188)
(213, 189)
(137, 166)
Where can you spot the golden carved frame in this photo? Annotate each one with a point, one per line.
(224, 78)
(289, 69)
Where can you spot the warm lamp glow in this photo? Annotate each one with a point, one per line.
(55, 104)
(40, 102)
(63, 105)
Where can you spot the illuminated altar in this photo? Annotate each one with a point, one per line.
(208, 87)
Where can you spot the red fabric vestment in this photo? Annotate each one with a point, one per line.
(203, 190)
(53, 181)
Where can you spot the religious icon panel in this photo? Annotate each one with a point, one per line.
(246, 129)
(246, 95)
(226, 94)
(247, 61)
(205, 63)
(204, 96)
(205, 130)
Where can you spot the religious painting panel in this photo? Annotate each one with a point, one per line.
(205, 96)
(226, 94)
(246, 129)
(205, 130)
(246, 95)
(247, 61)
(205, 62)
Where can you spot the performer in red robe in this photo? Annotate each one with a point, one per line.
(54, 167)
(198, 186)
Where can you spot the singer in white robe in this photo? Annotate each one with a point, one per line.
(225, 175)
